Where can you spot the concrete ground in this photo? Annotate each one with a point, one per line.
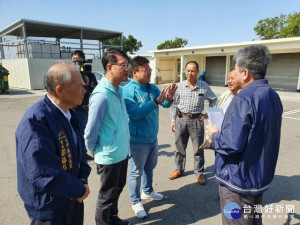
(186, 202)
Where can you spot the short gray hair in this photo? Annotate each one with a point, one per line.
(58, 74)
(255, 59)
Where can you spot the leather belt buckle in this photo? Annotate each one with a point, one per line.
(189, 115)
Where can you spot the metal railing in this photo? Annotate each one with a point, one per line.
(44, 48)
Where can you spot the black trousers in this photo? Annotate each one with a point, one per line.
(251, 218)
(185, 128)
(112, 182)
(73, 216)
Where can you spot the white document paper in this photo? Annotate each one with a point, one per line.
(216, 116)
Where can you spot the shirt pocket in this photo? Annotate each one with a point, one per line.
(200, 97)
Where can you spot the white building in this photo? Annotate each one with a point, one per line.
(216, 60)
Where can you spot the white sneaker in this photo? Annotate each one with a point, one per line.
(139, 210)
(153, 195)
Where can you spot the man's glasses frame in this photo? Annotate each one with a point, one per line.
(123, 65)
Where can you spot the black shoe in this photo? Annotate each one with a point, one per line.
(115, 220)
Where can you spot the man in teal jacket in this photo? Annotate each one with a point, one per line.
(142, 100)
(107, 136)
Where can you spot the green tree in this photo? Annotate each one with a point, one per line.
(279, 27)
(292, 28)
(130, 44)
(177, 43)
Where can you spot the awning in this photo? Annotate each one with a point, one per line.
(35, 28)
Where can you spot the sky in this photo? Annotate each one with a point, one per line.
(201, 22)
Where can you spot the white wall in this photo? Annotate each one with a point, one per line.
(167, 66)
(18, 72)
(29, 73)
(38, 69)
(97, 66)
(200, 59)
(166, 69)
(152, 65)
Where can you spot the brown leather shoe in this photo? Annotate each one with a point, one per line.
(201, 179)
(175, 175)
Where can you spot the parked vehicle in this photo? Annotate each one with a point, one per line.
(99, 76)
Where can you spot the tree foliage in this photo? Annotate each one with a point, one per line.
(292, 28)
(130, 44)
(279, 27)
(177, 43)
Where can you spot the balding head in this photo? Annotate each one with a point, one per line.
(64, 85)
(58, 74)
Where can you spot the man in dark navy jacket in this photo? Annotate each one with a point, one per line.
(51, 167)
(247, 146)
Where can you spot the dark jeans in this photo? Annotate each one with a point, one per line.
(185, 128)
(74, 216)
(112, 182)
(253, 218)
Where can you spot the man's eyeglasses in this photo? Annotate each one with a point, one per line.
(123, 65)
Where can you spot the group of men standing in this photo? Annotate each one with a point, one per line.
(123, 125)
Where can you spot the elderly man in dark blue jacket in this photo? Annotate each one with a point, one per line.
(248, 144)
(51, 167)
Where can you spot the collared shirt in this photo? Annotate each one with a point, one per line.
(68, 115)
(192, 100)
(226, 103)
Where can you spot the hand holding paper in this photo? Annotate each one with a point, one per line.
(216, 116)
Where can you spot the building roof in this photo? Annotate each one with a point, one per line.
(54, 30)
(283, 45)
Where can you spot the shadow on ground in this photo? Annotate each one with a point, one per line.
(163, 146)
(287, 189)
(164, 153)
(15, 91)
(283, 188)
(187, 205)
(193, 202)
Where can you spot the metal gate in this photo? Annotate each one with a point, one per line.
(215, 70)
(283, 71)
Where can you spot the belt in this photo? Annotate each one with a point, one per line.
(189, 115)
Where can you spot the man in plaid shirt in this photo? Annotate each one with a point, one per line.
(187, 120)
